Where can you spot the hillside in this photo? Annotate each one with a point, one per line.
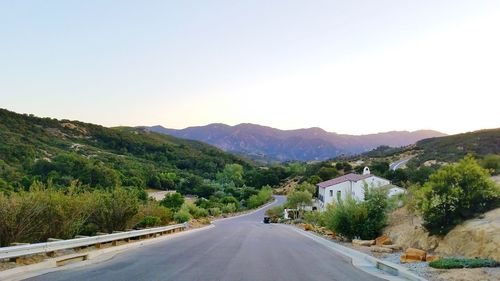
(440, 149)
(61, 151)
(451, 148)
(285, 145)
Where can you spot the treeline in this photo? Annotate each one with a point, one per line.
(59, 152)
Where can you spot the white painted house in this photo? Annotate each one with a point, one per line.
(339, 188)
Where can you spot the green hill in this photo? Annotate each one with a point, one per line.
(454, 147)
(61, 152)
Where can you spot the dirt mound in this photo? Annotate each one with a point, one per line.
(474, 238)
(406, 230)
(478, 237)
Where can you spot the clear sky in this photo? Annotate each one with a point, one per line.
(346, 66)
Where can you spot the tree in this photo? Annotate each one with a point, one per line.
(455, 193)
(305, 186)
(379, 168)
(326, 173)
(376, 206)
(232, 173)
(173, 201)
(298, 200)
(275, 213)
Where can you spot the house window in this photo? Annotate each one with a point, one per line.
(331, 193)
(339, 194)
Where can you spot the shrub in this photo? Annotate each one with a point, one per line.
(353, 219)
(376, 205)
(182, 216)
(455, 193)
(491, 162)
(173, 201)
(215, 212)
(347, 218)
(193, 210)
(113, 210)
(315, 218)
(229, 208)
(265, 195)
(152, 208)
(275, 213)
(448, 263)
(149, 221)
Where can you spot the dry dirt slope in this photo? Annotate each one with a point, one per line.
(478, 237)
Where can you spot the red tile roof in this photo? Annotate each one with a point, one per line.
(341, 179)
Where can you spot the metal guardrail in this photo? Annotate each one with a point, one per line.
(48, 247)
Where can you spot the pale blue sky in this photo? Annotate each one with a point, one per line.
(287, 64)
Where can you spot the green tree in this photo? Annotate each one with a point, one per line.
(173, 201)
(454, 193)
(326, 173)
(298, 200)
(232, 173)
(376, 206)
(305, 186)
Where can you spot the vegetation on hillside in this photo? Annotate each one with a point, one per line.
(455, 193)
(62, 178)
(453, 148)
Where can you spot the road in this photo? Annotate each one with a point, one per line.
(237, 249)
(395, 165)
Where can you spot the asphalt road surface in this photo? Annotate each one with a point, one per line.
(239, 249)
(395, 165)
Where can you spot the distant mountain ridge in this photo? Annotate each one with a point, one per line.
(264, 142)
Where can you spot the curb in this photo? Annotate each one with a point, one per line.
(365, 262)
(91, 257)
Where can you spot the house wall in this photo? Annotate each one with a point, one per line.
(373, 181)
(356, 189)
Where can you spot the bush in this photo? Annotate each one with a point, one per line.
(149, 221)
(347, 218)
(455, 193)
(173, 201)
(182, 216)
(41, 213)
(195, 211)
(229, 208)
(448, 263)
(353, 219)
(275, 213)
(265, 195)
(113, 210)
(152, 208)
(315, 218)
(215, 212)
(376, 205)
(491, 162)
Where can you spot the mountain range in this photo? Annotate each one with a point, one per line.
(270, 144)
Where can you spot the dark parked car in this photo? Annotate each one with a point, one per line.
(267, 219)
